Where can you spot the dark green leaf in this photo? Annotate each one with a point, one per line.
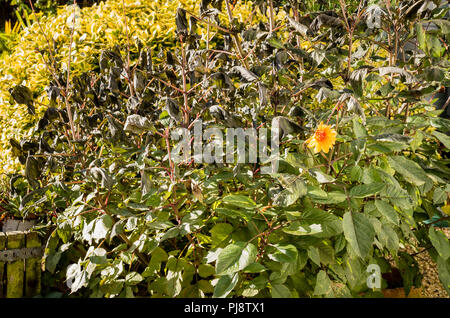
(359, 232)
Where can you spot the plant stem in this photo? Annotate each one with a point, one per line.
(130, 84)
(237, 41)
(171, 165)
(68, 108)
(185, 92)
(271, 16)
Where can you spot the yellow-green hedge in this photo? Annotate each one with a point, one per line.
(98, 27)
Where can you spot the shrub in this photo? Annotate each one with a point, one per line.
(100, 26)
(126, 220)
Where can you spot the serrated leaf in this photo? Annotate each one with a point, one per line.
(137, 124)
(409, 169)
(366, 190)
(442, 138)
(296, 228)
(220, 232)
(443, 267)
(359, 130)
(320, 176)
(133, 278)
(206, 270)
(300, 28)
(275, 42)
(225, 285)
(440, 242)
(323, 284)
(235, 257)
(101, 227)
(330, 224)
(389, 238)
(280, 291)
(246, 74)
(387, 210)
(254, 268)
(238, 200)
(295, 189)
(439, 196)
(409, 78)
(284, 253)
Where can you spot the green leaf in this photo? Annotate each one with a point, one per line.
(174, 276)
(417, 141)
(205, 286)
(133, 278)
(98, 256)
(359, 130)
(280, 291)
(64, 231)
(356, 173)
(444, 272)
(275, 42)
(443, 24)
(296, 228)
(219, 233)
(440, 242)
(442, 138)
(421, 37)
(101, 227)
(314, 255)
(409, 269)
(340, 243)
(235, 257)
(315, 192)
(326, 253)
(330, 224)
(238, 200)
(76, 277)
(389, 238)
(254, 268)
(359, 232)
(225, 285)
(387, 210)
(435, 46)
(320, 176)
(234, 212)
(323, 284)
(113, 288)
(295, 189)
(439, 196)
(409, 169)
(333, 197)
(285, 253)
(366, 190)
(206, 270)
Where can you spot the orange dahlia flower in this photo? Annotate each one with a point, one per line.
(323, 139)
